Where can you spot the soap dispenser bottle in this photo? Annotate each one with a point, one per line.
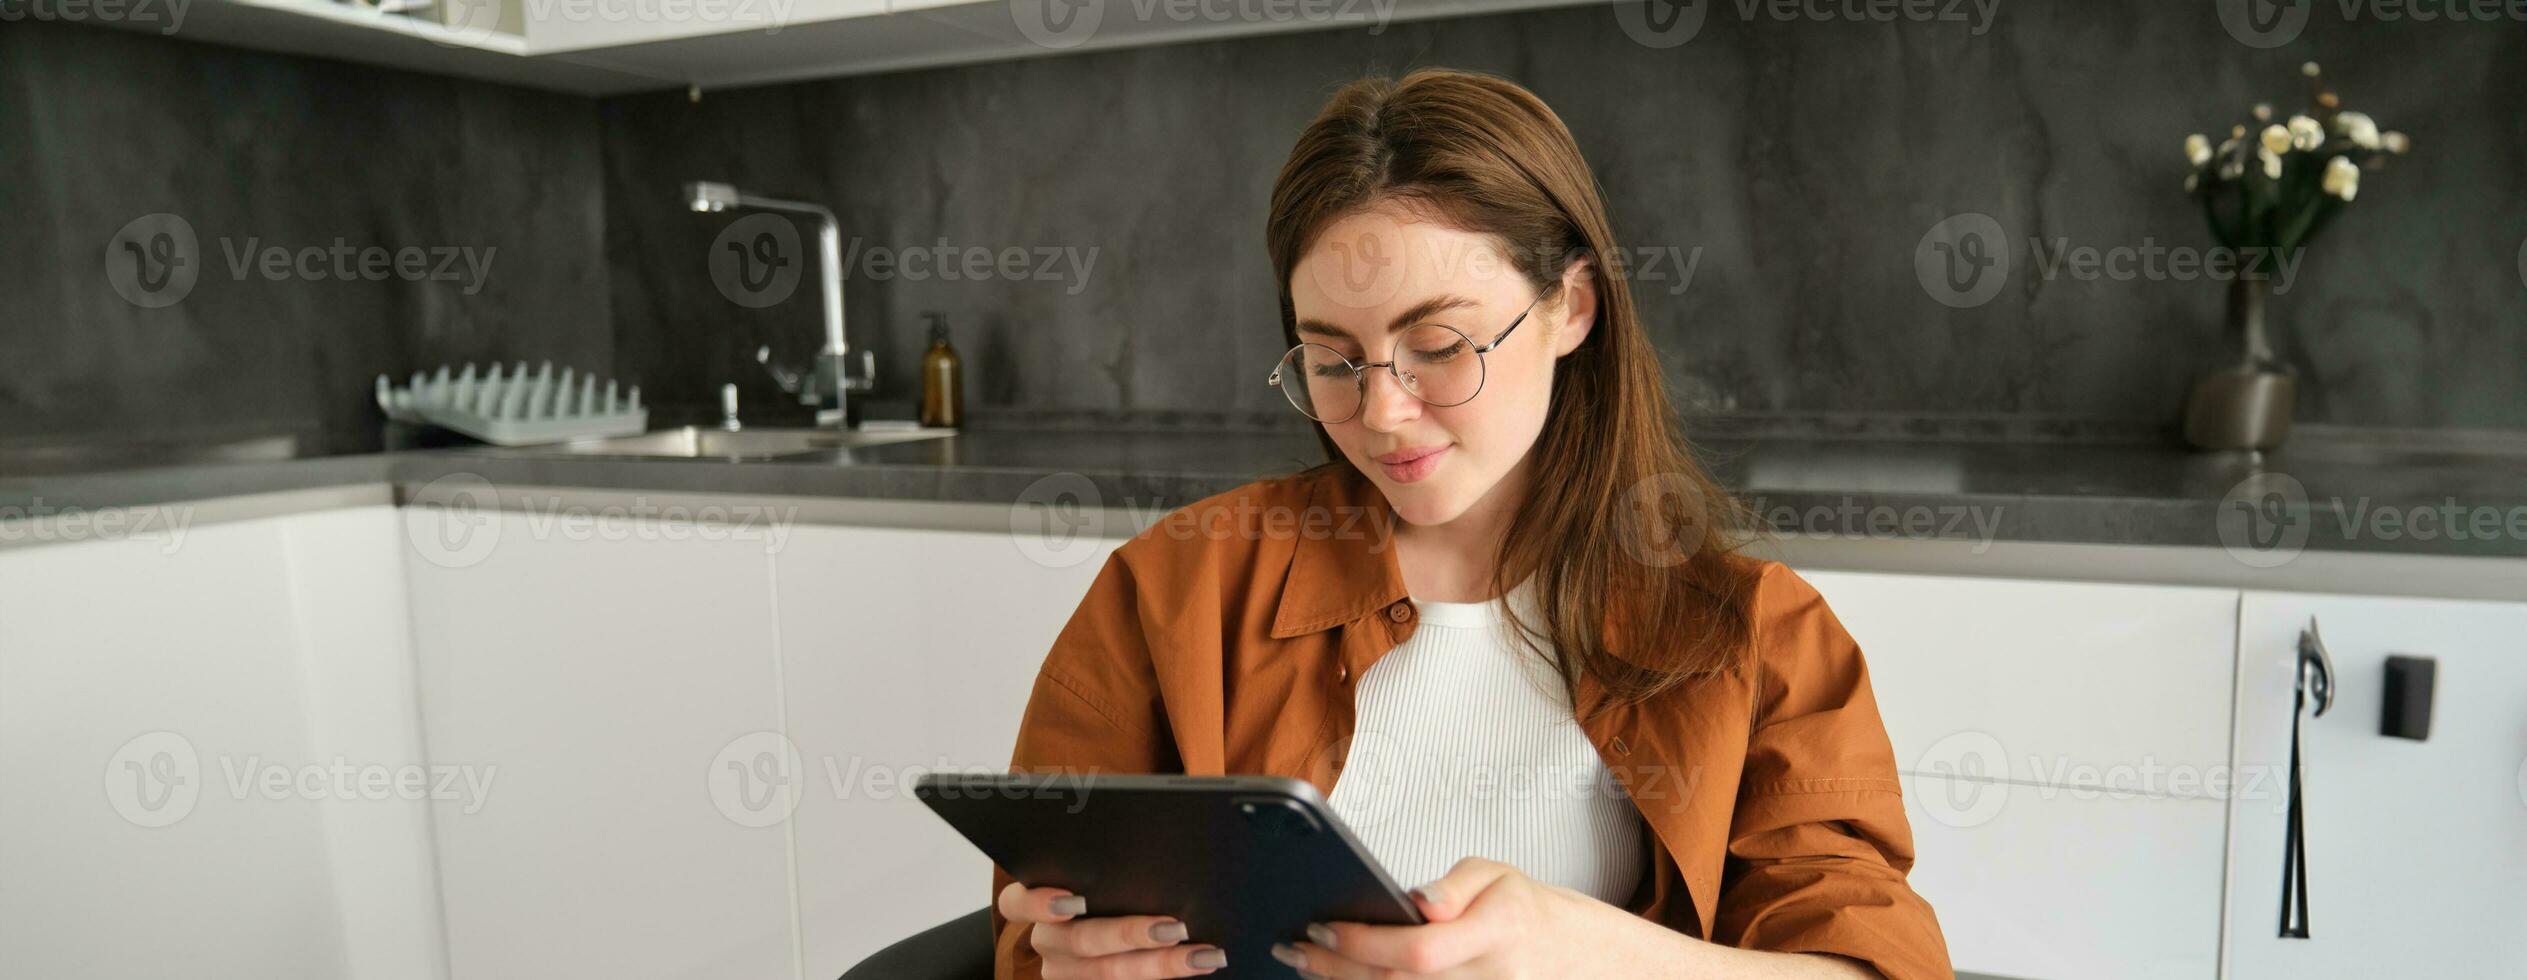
(942, 379)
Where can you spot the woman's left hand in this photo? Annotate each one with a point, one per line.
(1487, 921)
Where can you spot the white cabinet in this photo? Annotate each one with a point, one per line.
(188, 724)
(706, 737)
(2067, 883)
(2416, 850)
(2060, 744)
(2059, 683)
(607, 47)
(671, 749)
(904, 651)
(615, 681)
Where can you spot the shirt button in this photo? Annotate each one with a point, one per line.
(1620, 748)
(1400, 611)
(1342, 673)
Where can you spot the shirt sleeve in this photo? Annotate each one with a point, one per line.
(1819, 845)
(1095, 709)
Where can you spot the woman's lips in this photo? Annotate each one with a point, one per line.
(1408, 465)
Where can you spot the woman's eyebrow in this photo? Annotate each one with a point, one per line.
(1420, 311)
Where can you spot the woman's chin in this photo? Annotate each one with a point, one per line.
(1422, 504)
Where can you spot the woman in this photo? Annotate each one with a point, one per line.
(1507, 615)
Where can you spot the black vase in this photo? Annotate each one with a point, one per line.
(2245, 405)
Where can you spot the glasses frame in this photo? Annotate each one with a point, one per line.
(1360, 372)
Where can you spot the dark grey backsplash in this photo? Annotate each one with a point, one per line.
(1792, 166)
(253, 151)
(1803, 161)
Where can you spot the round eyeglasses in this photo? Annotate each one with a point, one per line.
(1434, 362)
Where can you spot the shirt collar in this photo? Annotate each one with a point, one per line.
(1343, 566)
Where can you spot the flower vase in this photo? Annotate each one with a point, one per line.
(2246, 405)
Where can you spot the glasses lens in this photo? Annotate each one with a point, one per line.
(1438, 364)
(1320, 383)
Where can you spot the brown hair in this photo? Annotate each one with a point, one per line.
(1610, 469)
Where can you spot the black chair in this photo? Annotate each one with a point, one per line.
(958, 949)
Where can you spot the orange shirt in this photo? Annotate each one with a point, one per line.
(1228, 637)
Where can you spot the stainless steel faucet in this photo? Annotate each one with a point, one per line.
(828, 383)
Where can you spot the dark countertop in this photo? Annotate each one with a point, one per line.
(2367, 495)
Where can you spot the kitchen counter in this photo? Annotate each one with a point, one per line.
(2319, 497)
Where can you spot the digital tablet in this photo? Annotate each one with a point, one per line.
(1243, 861)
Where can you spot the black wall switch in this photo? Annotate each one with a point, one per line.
(2409, 686)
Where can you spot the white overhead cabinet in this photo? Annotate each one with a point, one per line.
(2416, 849)
(601, 47)
(2053, 738)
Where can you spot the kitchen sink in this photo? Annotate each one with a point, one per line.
(699, 442)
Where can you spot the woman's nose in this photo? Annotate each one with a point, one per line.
(1386, 406)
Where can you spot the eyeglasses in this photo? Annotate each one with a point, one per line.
(1434, 362)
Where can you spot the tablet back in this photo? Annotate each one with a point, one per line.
(1244, 861)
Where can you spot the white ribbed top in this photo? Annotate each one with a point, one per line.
(1467, 745)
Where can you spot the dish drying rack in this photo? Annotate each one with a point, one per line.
(514, 408)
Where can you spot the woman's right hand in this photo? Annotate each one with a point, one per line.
(1122, 947)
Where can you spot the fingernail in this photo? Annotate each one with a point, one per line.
(1289, 954)
(1210, 959)
(1428, 893)
(1168, 932)
(1323, 934)
(1070, 905)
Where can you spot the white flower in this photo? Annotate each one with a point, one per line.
(2271, 162)
(2192, 181)
(2305, 133)
(2276, 139)
(2395, 142)
(2263, 111)
(2342, 178)
(2198, 149)
(2309, 69)
(2230, 169)
(2362, 129)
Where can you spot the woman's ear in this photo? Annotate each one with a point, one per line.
(1577, 312)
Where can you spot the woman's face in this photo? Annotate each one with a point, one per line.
(1376, 273)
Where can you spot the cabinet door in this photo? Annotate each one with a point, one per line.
(2416, 850)
(2054, 683)
(2060, 744)
(904, 651)
(610, 679)
(175, 708)
(2068, 883)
